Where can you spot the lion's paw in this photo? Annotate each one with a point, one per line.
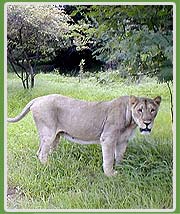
(112, 173)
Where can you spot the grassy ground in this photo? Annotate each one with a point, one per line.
(73, 177)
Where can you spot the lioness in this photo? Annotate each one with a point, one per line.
(109, 123)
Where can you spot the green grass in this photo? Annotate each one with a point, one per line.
(73, 177)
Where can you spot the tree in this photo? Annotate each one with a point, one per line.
(138, 38)
(34, 32)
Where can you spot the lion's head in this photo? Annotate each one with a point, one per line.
(144, 111)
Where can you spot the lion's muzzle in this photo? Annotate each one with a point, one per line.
(147, 129)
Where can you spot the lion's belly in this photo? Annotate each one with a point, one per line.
(84, 130)
(76, 140)
(82, 124)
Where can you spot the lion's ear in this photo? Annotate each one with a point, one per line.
(157, 100)
(133, 100)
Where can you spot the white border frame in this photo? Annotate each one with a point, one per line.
(174, 108)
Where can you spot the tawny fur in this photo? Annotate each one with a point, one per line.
(108, 123)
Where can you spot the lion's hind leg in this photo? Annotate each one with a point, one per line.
(47, 145)
(47, 130)
(46, 142)
(55, 143)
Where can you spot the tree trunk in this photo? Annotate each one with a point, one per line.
(31, 72)
(32, 81)
(16, 72)
(27, 80)
(27, 75)
(171, 100)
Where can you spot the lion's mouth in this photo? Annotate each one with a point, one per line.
(145, 131)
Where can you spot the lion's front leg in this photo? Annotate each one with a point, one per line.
(108, 150)
(123, 142)
(119, 151)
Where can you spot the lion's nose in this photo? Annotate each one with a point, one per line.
(147, 123)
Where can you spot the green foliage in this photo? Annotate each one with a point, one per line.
(73, 177)
(35, 33)
(32, 27)
(137, 38)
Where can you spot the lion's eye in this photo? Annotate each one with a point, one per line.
(140, 110)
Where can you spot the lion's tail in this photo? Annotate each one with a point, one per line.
(22, 114)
